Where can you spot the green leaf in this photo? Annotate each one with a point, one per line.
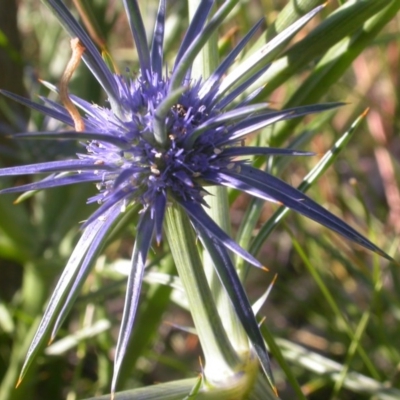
(343, 22)
(335, 63)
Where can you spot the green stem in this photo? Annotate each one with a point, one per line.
(203, 66)
(221, 359)
(219, 212)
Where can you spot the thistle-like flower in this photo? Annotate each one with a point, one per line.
(163, 139)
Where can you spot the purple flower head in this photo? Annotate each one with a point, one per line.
(163, 139)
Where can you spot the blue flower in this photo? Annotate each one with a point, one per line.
(163, 139)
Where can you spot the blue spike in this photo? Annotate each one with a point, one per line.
(115, 198)
(61, 116)
(118, 141)
(53, 181)
(259, 121)
(199, 216)
(263, 185)
(250, 125)
(53, 166)
(95, 247)
(265, 54)
(127, 174)
(158, 39)
(159, 212)
(222, 68)
(91, 56)
(138, 263)
(268, 151)
(189, 54)
(139, 35)
(225, 101)
(60, 292)
(230, 281)
(195, 27)
(218, 120)
(248, 99)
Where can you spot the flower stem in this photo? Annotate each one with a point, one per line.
(221, 358)
(219, 212)
(205, 63)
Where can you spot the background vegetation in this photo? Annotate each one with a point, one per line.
(334, 309)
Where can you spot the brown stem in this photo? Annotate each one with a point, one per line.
(77, 51)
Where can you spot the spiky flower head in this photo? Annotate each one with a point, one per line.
(163, 138)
